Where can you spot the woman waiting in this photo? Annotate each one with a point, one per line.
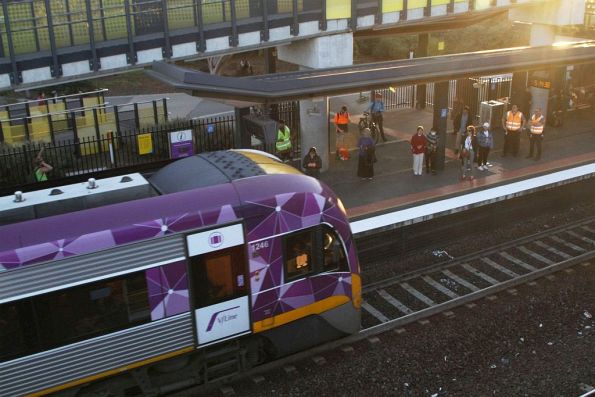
(365, 163)
(485, 142)
(312, 163)
(467, 153)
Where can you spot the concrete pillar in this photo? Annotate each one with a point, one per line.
(540, 90)
(422, 51)
(318, 53)
(440, 120)
(314, 128)
(542, 35)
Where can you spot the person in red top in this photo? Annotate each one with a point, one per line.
(418, 148)
(341, 128)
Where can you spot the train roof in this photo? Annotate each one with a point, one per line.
(178, 196)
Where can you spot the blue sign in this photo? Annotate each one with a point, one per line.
(210, 128)
(443, 113)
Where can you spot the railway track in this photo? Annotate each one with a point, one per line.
(425, 292)
(394, 302)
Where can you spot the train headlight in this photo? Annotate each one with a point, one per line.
(341, 206)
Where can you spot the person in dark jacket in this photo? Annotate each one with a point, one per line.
(312, 163)
(367, 150)
(431, 149)
(485, 143)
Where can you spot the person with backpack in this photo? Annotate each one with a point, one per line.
(367, 154)
(41, 168)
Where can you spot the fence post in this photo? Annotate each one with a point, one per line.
(51, 125)
(136, 116)
(97, 130)
(77, 149)
(155, 114)
(1, 132)
(165, 115)
(117, 119)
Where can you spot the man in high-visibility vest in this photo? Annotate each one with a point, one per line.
(341, 128)
(537, 123)
(283, 144)
(513, 123)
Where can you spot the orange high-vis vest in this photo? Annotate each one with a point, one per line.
(514, 121)
(342, 118)
(537, 124)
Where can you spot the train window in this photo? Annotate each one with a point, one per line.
(218, 276)
(299, 254)
(86, 311)
(333, 252)
(17, 330)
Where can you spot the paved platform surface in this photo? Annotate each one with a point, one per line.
(395, 187)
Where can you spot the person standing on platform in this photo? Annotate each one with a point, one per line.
(467, 154)
(513, 123)
(312, 163)
(485, 143)
(341, 128)
(431, 150)
(367, 154)
(41, 168)
(457, 111)
(537, 123)
(376, 109)
(418, 148)
(283, 144)
(461, 123)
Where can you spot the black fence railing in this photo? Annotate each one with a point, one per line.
(110, 153)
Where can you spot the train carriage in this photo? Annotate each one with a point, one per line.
(220, 261)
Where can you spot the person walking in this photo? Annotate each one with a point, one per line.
(537, 124)
(41, 168)
(485, 143)
(376, 109)
(513, 123)
(466, 154)
(341, 128)
(418, 148)
(461, 123)
(283, 144)
(431, 149)
(367, 154)
(312, 163)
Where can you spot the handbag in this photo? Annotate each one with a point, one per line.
(464, 153)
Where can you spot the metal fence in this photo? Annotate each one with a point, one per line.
(110, 153)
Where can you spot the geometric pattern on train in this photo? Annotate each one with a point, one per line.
(168, 290)
(282, 214)
(110, 238)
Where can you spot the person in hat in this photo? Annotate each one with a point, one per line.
(485, 143)
(367, 154)
(418, 148)
(376, 109)
(312, 163)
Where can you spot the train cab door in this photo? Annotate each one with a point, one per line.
(219, 280)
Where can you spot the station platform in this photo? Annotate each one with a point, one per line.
(395, 187)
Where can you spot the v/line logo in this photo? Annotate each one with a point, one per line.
(222, 319)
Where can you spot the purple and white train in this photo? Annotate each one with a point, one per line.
(221, 261)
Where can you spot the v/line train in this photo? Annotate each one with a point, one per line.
(222, 261)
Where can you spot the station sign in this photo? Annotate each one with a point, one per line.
(180, 144)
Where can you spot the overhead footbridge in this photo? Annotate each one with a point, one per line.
(334, 81)
(46, 42)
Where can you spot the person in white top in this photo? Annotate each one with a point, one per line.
(537, 123)
(467, 153)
